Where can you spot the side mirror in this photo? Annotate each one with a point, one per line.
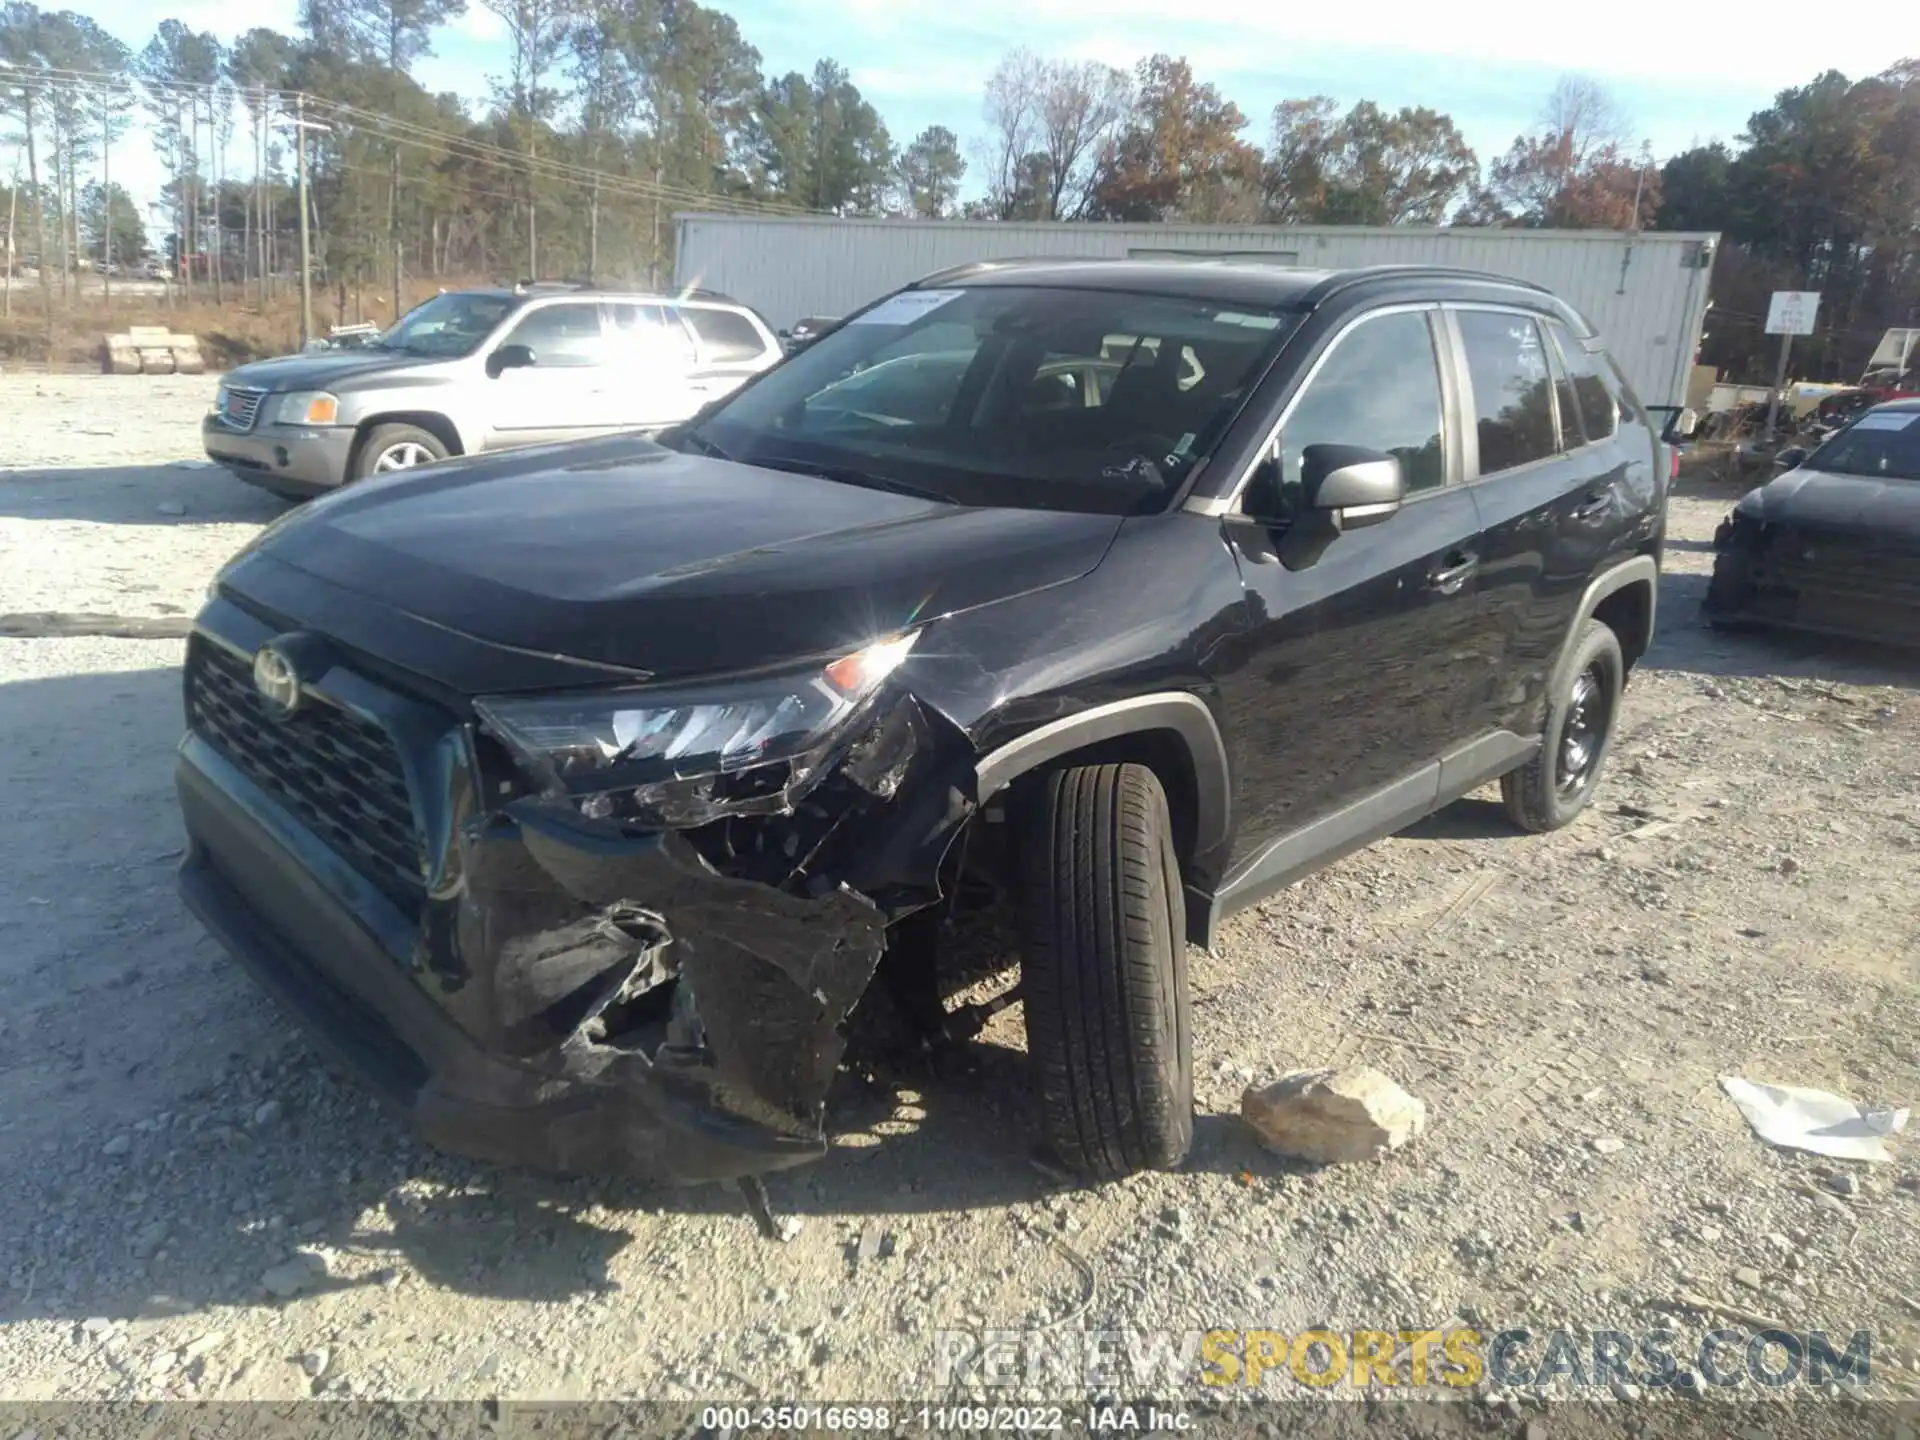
(509, 357)
(1352, 486)
(784, 334)
(1791, 458)
(1686, 424)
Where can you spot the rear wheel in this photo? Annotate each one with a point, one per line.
(397, 447)
(1104, 977)
(1551, 789)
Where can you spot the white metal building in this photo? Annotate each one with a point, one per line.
(1647, 293)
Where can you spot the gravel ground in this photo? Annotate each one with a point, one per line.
(193, 1207)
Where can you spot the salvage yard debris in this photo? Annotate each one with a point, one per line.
(1820, 1123)
(1332, 1117)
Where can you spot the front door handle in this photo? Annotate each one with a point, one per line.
(1449, 579)
(1594, 506)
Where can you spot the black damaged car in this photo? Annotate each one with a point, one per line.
(1833, 544)
(575, 797)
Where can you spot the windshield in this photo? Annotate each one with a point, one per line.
(1049, 399)
(448, 326)
(1884, 444)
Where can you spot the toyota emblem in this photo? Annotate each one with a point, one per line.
(275, 679)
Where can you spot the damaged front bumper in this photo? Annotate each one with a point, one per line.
(549, 991)
(1861, 586)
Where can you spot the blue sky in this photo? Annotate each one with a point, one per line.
(1680, 73)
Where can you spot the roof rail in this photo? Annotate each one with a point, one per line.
(1347, 279)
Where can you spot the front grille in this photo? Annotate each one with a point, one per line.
(339, 775)
(239, 408)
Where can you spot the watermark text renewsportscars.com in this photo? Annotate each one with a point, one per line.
(1436, 1360)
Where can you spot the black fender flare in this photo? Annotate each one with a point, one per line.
(1638, 570)
(1187, 716)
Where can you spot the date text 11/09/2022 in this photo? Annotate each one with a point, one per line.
(959, 1419)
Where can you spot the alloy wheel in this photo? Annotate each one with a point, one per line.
(403, 456)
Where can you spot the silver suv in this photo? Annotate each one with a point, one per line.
(479, 370)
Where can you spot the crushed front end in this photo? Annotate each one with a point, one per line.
(540, 966)
(1825, 579)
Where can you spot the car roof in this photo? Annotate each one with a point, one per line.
(1902, 405)
(1223, 280)
(565, 291)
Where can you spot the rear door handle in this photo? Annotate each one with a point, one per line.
(1449, 580)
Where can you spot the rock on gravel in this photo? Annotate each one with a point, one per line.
(287, 1279)
(1331, 1117)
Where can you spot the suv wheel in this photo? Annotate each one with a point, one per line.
(1104, 978)
(1557, 784)
(397, 447)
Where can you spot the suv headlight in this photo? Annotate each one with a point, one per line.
(682, 757)
(308, 407)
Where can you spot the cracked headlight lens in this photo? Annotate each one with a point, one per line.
(681, 756)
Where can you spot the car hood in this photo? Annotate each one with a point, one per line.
(1821, 499)
(318, 371)
(621, 553)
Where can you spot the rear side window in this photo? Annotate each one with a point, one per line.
(726, 335)
(1512, 388)
(1599, 417)
(649, 334)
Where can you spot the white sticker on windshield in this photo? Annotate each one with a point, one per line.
(906, 307)
(1892, 420)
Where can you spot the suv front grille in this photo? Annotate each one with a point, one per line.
(338, 774)
(239, 408)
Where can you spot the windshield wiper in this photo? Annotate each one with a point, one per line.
(847, 475)
(700, 442)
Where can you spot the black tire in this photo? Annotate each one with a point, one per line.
(1104, 978)
(1551, 789)
(386, 440)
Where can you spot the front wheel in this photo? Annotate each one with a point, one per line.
(1551, 789)
(397, 447)
(1104, 977)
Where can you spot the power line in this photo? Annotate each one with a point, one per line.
(404, 131)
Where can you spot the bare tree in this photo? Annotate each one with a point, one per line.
(1081, 109)
(1015, 115)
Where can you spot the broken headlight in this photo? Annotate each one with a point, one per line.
(684, 756)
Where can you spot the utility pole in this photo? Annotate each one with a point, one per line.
(106, 207)
(306, 243)
(13, 213)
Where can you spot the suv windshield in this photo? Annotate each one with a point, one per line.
(1049, 399)
(1884, 444)
(448, 326)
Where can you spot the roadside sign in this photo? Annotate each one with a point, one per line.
(1791, 312)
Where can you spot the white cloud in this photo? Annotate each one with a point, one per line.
(480, 24)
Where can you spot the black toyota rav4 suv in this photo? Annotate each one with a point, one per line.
(575, 796)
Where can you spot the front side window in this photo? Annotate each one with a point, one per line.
(447, 326)
(562, 337)
(1071, 399)
(727, 336)
(1379, 389)
(1512, 401)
